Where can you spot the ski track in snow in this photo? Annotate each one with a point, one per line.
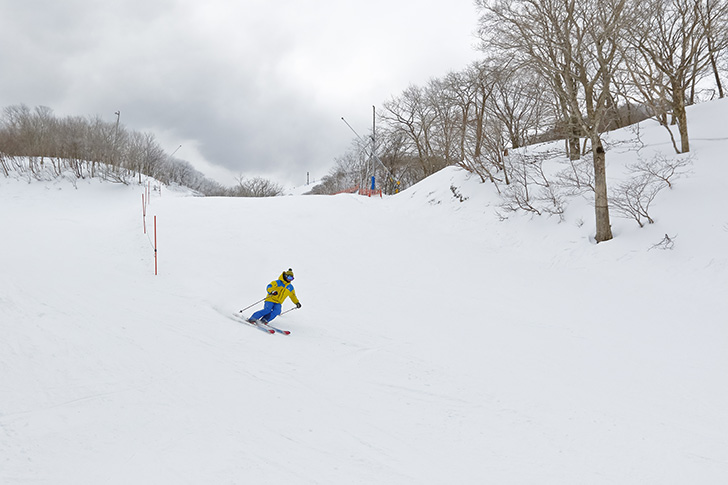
(436, 344)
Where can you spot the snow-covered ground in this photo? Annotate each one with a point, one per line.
(437, 343)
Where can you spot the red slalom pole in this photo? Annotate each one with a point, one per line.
(144, 215)
(155, 245)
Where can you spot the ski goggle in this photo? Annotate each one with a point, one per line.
(288, 277)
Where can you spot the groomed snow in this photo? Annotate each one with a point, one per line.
(437, 343)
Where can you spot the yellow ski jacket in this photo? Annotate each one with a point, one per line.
(284, 291)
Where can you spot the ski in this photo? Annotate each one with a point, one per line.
(253, 324)
(277, 330)
(266, 327)
(260, 327)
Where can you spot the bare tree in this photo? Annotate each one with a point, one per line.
(476, 87)
(518, 103)
(257, 187)
(668, 53)
(37, 144)
(574, 46)
(347, 174)
(4, 164)
(531, 190)
(632, 197)
(399, 169)
(412, 114)
(715, 25)
(449, 109)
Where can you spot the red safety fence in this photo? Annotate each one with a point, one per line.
(357, 190)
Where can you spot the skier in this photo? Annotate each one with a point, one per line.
(278, 291)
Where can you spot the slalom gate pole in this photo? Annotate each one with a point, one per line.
(144, 214)
(155, 245)
(241, 311)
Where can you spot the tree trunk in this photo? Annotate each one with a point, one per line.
(713, 63)
(574, 148)
(682, 121)
(716, 73)
(601, 203)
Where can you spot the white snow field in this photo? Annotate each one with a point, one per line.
(438, 343)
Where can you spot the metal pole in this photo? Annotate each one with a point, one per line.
(391, 176)
(374, 129)
(241, 311)
(289, 310)
(155, 245)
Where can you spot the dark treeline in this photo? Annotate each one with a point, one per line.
(551, 69)
(37, 144)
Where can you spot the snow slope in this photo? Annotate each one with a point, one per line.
(437, 343)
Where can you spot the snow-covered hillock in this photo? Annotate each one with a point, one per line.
(692, 201)
(441, 340)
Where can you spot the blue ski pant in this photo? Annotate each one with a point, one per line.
(269, 312)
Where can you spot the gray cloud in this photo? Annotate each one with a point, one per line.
(247, 87)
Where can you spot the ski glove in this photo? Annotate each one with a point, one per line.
(273, 293)
(298, 305)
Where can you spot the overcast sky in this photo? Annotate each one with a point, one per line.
(246, 87)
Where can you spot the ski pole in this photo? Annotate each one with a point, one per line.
(241, 311)
(290, 310)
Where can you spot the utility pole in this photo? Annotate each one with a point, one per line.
(374, 129)
(115, 148)
(373, 155)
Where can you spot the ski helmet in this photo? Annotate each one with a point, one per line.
(288, 275)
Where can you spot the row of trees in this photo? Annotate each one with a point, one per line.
(37, 144)
(552, 69)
